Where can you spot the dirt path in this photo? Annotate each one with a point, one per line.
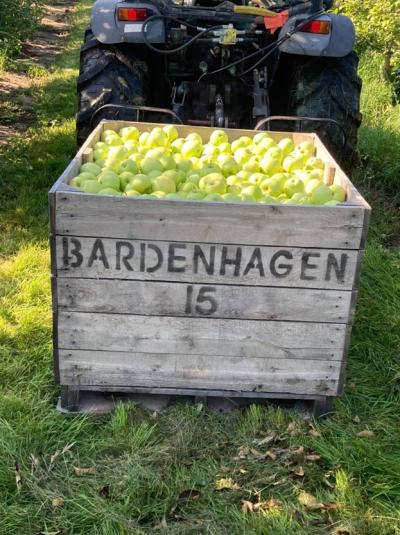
(40, 51)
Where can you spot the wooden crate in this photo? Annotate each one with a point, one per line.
(203, 298)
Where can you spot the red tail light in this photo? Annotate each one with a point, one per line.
(129, 14)
(317, 26)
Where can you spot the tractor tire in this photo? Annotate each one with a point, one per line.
(107, 76)
(328, 88)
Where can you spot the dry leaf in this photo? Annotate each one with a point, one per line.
(268, 505)
(328, 506)
(18, 476)
(190, 494)
(313, 457)
(257, 453)
(279, 482)
(298, 471)
(224, 470)
(80, 471)
(243, 452)
(243, 471)
(356, 419)
(49, 533)
(297, 456)
(266, 440)
(309, 501)
(312, 431)
(366, 434)
(271, 455)
(226, 483)
(247, 507)
(293, 429)
(57, 502)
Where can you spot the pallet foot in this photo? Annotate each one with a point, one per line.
(69, 399)
(322, 407)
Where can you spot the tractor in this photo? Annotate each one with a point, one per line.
(270, 64)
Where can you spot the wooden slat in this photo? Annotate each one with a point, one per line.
(206, 263)
(201, 336)
(177, 299)
(202, 371)
(80, 214)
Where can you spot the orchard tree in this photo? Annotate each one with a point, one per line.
(377, 25)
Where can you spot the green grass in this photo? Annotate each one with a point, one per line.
(144, 464)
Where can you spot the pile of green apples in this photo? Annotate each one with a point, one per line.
(161, 165)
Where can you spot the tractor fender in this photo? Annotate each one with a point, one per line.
(337, 44)
(109, 30)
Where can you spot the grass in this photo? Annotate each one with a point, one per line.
(158, 474)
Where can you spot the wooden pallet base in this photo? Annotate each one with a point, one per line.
(92, 400)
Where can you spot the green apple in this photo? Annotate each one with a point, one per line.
(187, 187)
(126, 178)
(132, 193)
(257, 138)
(311, 185)
(129, 166)
(293, 185)
(253, 191)
(231, 197)
(218, 136)
(171, 131)
(191, 149)
(182, 194)
(86, 176)
(193, 178)
(75, 182)
(195, 138)
(333, 202)
(257, 178)
(177, 145)
(99, 155)
(292, 162)
(210, 150)
(242, 155)
(339, 193)
(270, 166)
(314, 163)
(172, 197)
(236, 188)
(286, 145)
(228, 164)
(245, 197)
(183, 165)
(321, 194)
(141, 183)
(282, 177)
(129, 133)
(195, 162)
(207, 169)
(109, 191)
(267, 199)
(164, 183)
(131, 146)
(271, 187)
(150, 164)
(239, 143)
(224, 148)
(195, 195)
(110, 181)
(157, 138)
(143, 139)
(92, 186)
(304, 200)
(213, 197)
(300, 195)
(114, 141)
(213, 183)
(101, 146)
(244, 175)
(176, 176)
(233, 180)
(157, 152)
(154, 174)
(275, 152)
(167, 162)
(252, 165)
(159, 194)
(91, 168)
(108, 133)
(266, 143)
(307, 147)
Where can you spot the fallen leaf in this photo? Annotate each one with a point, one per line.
(298, 471)
(313, 457)
(279, 482)
(293, 429)
(247, 507)
(266, 440)
(104, 492)
(271, 455)
(224, 469)
(243, 471)
(57, 502)
(328, 506)
(257, 453)
(243, 452)
(189, 494)
(312, 431)
(268, 505)
(356, 419)
(49, 533)
(18, 476)
(309, 501)
(297, 456)
(226, 483)
(80, 471)
(366, 434)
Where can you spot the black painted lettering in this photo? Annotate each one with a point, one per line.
(255, 262)
(225, 261)
(98, 253)
(75, 251)
(284, 269)
(124, 257)
(173, 258)
(204, 298)
(160, 258)
(340, 270)
(189, 299)
(142, 257)
(306, 265)
(65, 248)
(208, 264)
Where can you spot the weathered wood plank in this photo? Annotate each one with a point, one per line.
(203, 336)
(80, 214)
(207, 263)
(222, 301)
(205, 371)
